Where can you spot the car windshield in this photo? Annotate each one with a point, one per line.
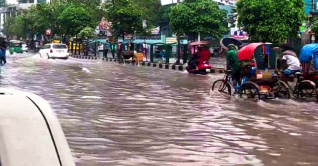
(62, 46)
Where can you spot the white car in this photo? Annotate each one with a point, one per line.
(31, 134)
(54, 50)
(24, 47)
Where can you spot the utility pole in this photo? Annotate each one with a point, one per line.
(313, 13)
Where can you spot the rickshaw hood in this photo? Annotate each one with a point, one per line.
(307, 52)
(246, 53)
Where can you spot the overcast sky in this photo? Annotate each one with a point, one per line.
(164, 2)
(11, 1)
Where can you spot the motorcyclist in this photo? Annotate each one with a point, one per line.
(200, 57)
(203, 55)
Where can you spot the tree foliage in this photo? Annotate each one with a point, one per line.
(61, 16)
(87, 33)
(271, 20)
(125, 17)
(149, 10)
(74, 19)
(3, 3)
(197, 16)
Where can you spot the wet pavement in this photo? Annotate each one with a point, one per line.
(125, 115)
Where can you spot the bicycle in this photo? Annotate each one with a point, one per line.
(226, 84)
(303, 88)
(250, 89)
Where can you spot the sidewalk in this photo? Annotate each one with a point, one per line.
(217, 63)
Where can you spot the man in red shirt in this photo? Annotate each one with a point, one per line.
(203, 55)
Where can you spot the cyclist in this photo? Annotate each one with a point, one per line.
(233, 64)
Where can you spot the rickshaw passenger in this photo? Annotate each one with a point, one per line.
(291, 63)
(233, 64)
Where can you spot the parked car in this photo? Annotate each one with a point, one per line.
(31, 134)
(54, 50)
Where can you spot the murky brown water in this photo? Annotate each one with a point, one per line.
(124, 115)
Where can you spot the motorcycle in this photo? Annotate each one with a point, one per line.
(203, 68)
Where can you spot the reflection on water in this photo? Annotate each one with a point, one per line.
(116, 115)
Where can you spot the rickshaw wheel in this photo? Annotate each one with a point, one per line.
(281, 90)
(307, 90)
(222, 86)
(249, 90)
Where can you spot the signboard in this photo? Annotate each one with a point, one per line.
(104, 28)
(155, 31)
(48, 32)
(239, 34)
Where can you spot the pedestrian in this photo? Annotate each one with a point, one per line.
(211, 49)
(3, 47)
(105, 50)
(216, 52)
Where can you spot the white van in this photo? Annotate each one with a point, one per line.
(30, 133)
(54, 50)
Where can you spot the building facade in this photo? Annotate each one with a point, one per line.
(13, 10)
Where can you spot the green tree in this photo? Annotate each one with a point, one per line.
(125, 17)
(7, 27)
(163, 17)
(197, 17)
(73, 19)
(87, 33)
(93, 7)
(271, 20)
(149, 10)
(3, 3)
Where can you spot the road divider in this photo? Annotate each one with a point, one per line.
(148, 64)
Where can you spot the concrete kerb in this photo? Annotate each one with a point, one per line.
(156, 65)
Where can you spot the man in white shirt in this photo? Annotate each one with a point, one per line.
(291, 63)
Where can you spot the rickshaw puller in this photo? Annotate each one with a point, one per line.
(233, 64)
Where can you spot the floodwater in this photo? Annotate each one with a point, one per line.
(122, 115)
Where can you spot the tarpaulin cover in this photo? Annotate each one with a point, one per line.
(308, 52)
(246, 53)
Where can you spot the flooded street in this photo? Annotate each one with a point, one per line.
(131, 116)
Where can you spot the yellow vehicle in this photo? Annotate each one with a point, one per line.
(57, 39)
(79, 46)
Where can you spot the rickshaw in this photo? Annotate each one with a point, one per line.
(258, 77)
(203, 68)
(15, 46)
(307, 80)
